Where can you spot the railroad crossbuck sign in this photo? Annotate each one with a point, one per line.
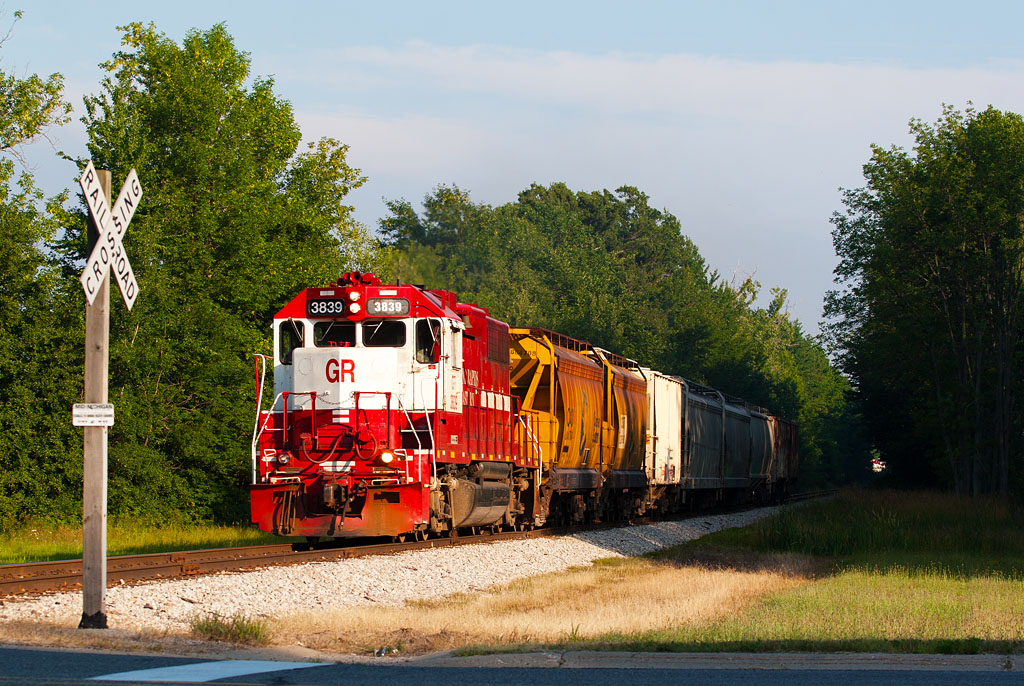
(108, 252)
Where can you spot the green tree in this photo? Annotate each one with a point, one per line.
(29, 106)
(606, 267)
(235, 219)
(929, 320)
(35, 393)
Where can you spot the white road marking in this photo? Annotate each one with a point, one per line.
(205, 671)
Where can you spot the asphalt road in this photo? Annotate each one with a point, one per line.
(45, 667)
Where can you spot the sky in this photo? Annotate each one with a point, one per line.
(742, 119)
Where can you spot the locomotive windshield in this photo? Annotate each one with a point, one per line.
(334, 334)
(383, 333)
(371, 333)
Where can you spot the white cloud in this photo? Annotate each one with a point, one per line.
(680, 85)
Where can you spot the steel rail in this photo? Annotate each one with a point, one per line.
(62, 575)
(67, 574)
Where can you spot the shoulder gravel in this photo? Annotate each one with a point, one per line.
(383, 579)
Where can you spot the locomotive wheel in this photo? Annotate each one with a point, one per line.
(400, 538)
(422, 534)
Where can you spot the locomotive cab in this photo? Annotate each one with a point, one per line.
(365, 376)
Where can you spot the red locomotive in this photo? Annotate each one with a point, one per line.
(399, 411)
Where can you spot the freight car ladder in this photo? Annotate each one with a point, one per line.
(529, 445)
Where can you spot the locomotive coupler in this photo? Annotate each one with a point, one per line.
(335, 496)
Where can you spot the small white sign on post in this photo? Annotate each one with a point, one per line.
(108, 253)
(92, 414)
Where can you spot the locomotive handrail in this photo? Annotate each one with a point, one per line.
(260, 362)
(312, 415)
(430, 431)
(419, 444)
(387, 412)
(258, 433)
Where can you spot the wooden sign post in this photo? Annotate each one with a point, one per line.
(95, 416)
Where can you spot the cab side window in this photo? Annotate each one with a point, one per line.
(456, 357)
(428, 341)
(292, 335)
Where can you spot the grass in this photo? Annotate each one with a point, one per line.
(623, 595)
(866, 571)
(888, 529)
(863, 610)
(238, 628)
(908, 572)
(39, 543)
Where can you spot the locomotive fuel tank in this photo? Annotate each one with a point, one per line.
(481, 499)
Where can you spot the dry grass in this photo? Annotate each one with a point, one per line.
(617, 596)
(69, 636)
(182, 643)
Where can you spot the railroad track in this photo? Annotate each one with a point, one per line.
(811, 495)
(67, 574)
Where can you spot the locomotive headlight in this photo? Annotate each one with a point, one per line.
(387, 457)
(354, 308)
(353, 295)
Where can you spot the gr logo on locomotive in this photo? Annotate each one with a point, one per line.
(337, 371)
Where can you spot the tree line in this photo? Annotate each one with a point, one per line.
(928, 320)
(238, 216)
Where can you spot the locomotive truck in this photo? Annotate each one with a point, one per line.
(399, 411)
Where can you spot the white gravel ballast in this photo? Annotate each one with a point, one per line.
(385, 579)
